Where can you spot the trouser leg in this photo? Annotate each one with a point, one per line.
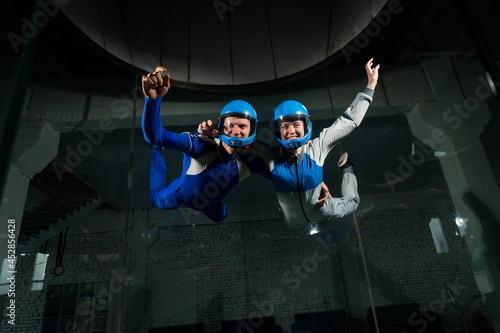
(349, 187)
(348, 203)
(216, 212)
(160, 195)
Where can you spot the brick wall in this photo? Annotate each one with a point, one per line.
(87, 258)
(234, 271)
(404, 266)
(230, 271)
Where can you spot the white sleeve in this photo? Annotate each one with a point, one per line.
(342, 127)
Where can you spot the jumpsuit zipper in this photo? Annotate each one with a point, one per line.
(298, 186)
(227, 163)
(225, 166)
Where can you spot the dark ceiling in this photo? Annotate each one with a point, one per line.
(456, 28)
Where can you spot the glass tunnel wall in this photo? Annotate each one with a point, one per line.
(416, 256)
(84, 251)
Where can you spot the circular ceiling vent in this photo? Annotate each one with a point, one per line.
(222, 44)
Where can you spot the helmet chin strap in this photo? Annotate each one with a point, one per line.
(236, 142)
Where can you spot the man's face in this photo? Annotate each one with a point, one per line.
(291, 130)
(237, 127)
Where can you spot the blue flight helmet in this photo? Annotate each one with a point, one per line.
(290, 111)
(240, 109)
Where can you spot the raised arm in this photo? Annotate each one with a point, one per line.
(154, 86)
(372, 73)
(352, 116)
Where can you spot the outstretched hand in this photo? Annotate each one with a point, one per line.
(208, 128)
(325, 193)
(155, 84)
(372, 73)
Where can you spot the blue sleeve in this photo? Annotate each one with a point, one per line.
(155, 134)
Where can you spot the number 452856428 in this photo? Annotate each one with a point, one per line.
(11, 229)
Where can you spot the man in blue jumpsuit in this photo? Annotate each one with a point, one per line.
(211, 166)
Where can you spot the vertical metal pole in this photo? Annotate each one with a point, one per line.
(127, 212)
(365, 268)
(457, 310)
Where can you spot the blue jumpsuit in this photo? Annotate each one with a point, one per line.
(209, 172)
